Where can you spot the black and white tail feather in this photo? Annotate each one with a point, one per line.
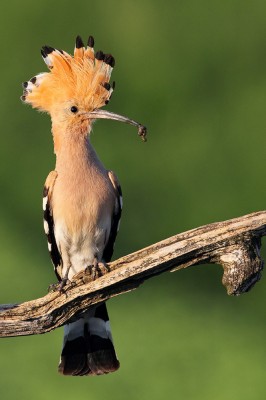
(88, 345)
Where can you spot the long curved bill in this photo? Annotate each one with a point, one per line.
(103, 114)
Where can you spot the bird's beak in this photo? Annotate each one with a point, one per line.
(103, 114)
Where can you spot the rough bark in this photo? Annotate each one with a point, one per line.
(234, 244)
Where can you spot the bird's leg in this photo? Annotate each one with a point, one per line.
(64, 279)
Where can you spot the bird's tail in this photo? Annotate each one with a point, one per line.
(88, 346)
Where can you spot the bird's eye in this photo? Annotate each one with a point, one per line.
(74, 109)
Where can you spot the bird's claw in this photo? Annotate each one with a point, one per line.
(53, 287)
(97, 269)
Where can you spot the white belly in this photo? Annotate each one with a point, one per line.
(80, 249)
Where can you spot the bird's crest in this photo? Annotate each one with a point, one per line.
(82, 78)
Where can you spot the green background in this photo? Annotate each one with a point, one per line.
(195, 73)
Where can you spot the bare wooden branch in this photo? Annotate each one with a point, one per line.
(235, 244)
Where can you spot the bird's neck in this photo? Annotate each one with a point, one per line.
(73, 150)
(64, 133)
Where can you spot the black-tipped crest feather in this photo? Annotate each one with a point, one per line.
(91, 41)
(47, 50)
(79, 42)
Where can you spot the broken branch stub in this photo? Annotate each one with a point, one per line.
(242, 265)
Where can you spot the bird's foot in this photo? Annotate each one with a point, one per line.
(53, 287)
(63, 283)
(58, 287)
(97, 269)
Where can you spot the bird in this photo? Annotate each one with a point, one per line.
(82, 201)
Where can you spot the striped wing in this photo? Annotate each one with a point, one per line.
(48, 223)
(109, 248)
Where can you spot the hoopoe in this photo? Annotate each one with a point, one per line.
(82, 201)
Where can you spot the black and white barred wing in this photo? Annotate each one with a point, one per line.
(109, 248)
(48, 224)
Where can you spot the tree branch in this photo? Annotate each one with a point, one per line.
(235, 244)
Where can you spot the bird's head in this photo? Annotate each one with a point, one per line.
(76, 87)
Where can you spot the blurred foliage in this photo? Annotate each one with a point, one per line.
(195, 73)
